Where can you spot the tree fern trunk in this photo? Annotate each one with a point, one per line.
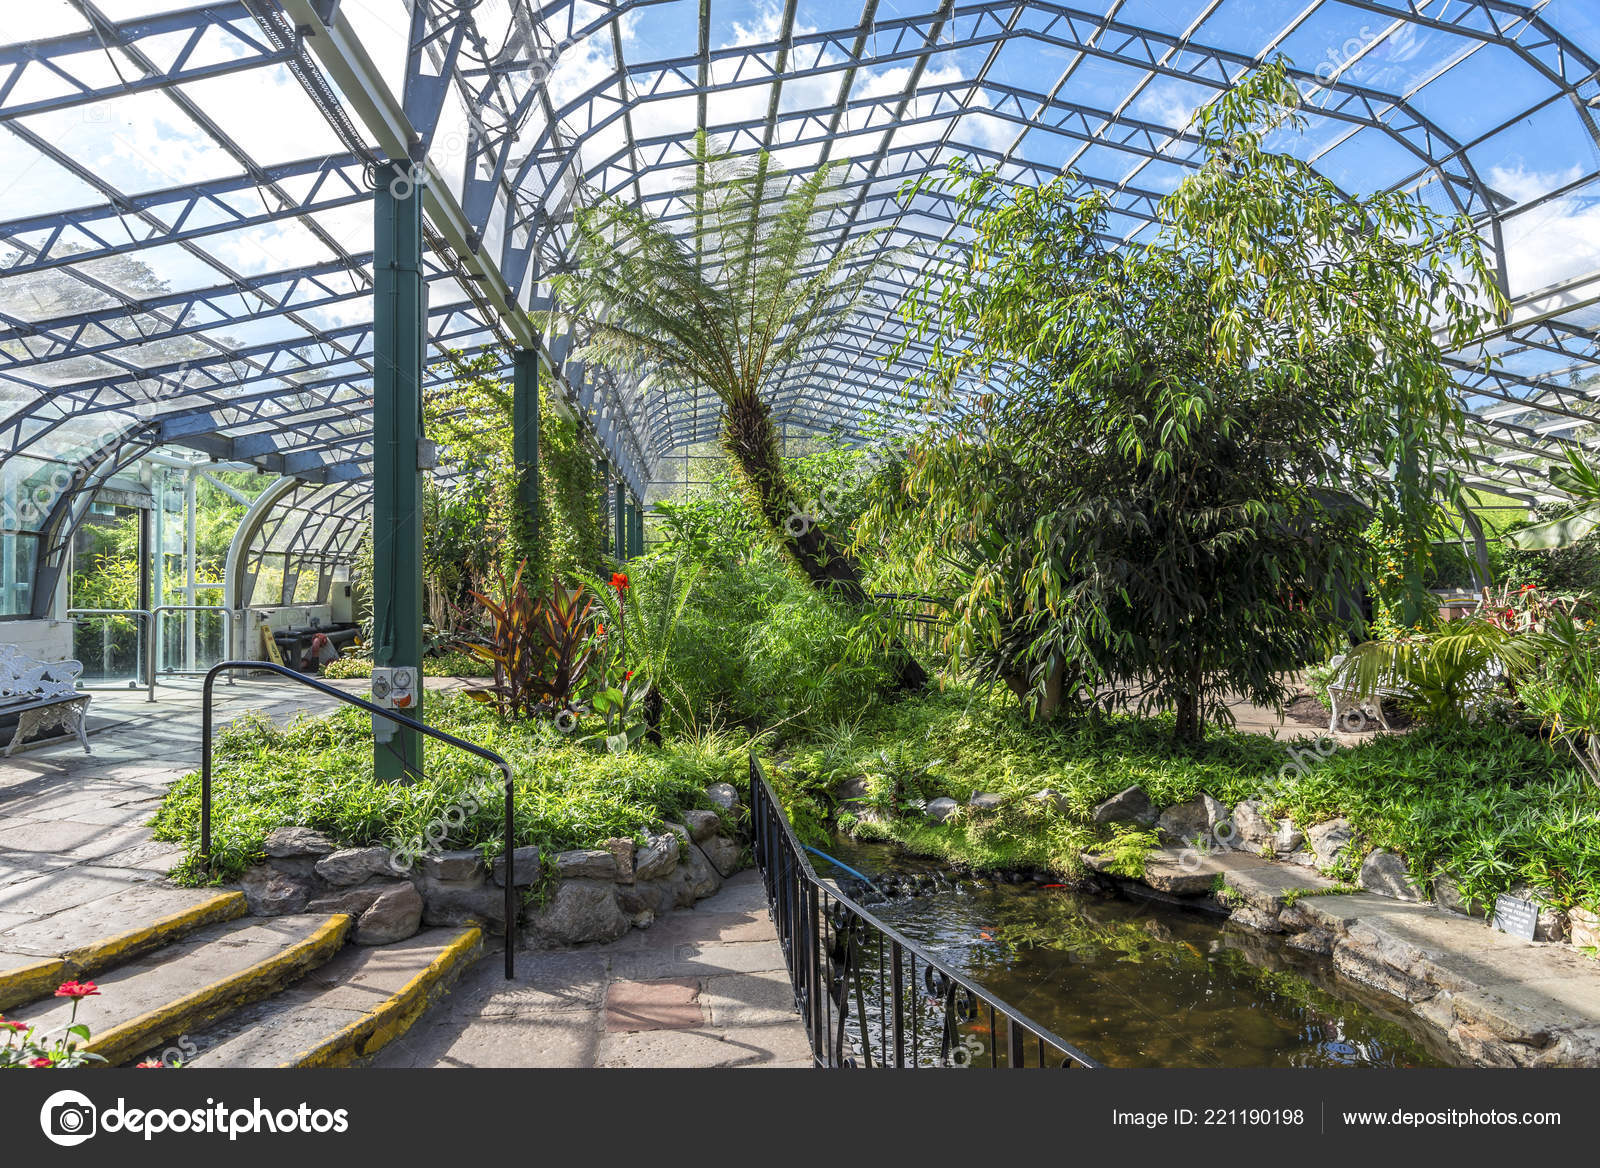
(751, 440)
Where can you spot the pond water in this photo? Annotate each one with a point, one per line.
(1138, 984)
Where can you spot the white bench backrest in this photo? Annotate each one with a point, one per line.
(21, 675)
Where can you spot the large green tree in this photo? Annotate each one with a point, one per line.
(754, 286)
(1145, 469)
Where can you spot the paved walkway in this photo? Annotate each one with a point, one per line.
(702, 987)
(79, 819)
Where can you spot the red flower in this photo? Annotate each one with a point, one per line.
(1528, 587)
(628, 676)
(41, 1062)
(601, 631)
(150, 1065)
(77, 990)
(619, 581)
(18, 1027)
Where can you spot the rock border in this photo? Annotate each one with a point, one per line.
(590, 894)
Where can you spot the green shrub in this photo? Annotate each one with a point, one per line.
(760, 645)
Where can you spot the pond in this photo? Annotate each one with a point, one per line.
(1135, 983)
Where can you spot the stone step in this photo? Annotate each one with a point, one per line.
(78, 942)
(342, 1013)
(166, 995)
(1188, 871)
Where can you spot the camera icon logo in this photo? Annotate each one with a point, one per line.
(68, 1118)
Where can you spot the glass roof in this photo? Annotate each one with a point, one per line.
(186, 234)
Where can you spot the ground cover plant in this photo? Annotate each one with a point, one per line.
(317, 772)
(1489, 805)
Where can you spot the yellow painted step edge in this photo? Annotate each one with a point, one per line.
(29, 983)
(396, 1014)
(127, 1039)
(111, 951)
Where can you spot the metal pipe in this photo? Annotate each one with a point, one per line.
(410, 723)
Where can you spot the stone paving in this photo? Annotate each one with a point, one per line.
(702, 987)
(72, 828)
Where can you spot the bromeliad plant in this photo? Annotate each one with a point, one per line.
(26, 1048)
(541, 648)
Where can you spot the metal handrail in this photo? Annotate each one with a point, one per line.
(829, 942)
(147, 629)
(399, 719)
(155, 637)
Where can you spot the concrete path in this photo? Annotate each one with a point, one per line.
(72, 828)
(702, 987)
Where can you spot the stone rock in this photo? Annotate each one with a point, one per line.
(1187, 822)
(1448, 897)
(941, 809)
(525, 867)
(1130, 805)
(353, 865)
(271, 893)
(1385, 873)
(354, 901)
(289, 842)
(1253, 828)
(657, 858)
(447, 902)
(657, 897)
(586, 864)
(1288, 838)
(702, 825)
(986, 801)
(724, 795)
(725, 854)
(1585, 927)
(852, 790)
(1256, 918)
(1055, 800)
(395, 915)
(643, 920)
(697, 878)
(1312, 941)
(622, 849)
(580, 911)
(455, 867)
(1301, 856)
(1329, 840)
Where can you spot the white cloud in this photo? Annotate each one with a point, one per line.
(1555, 241)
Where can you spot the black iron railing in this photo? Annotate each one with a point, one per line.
(399, 719)
(869, 996)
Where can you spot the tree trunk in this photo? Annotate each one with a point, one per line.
(751, 439)
(1190, 728)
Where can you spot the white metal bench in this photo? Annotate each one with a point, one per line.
(42, 697)
(1390, 685)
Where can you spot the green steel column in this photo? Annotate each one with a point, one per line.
(619, 543)
(603, 474)
(398, 325)
(525, 441)
(638, 526)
